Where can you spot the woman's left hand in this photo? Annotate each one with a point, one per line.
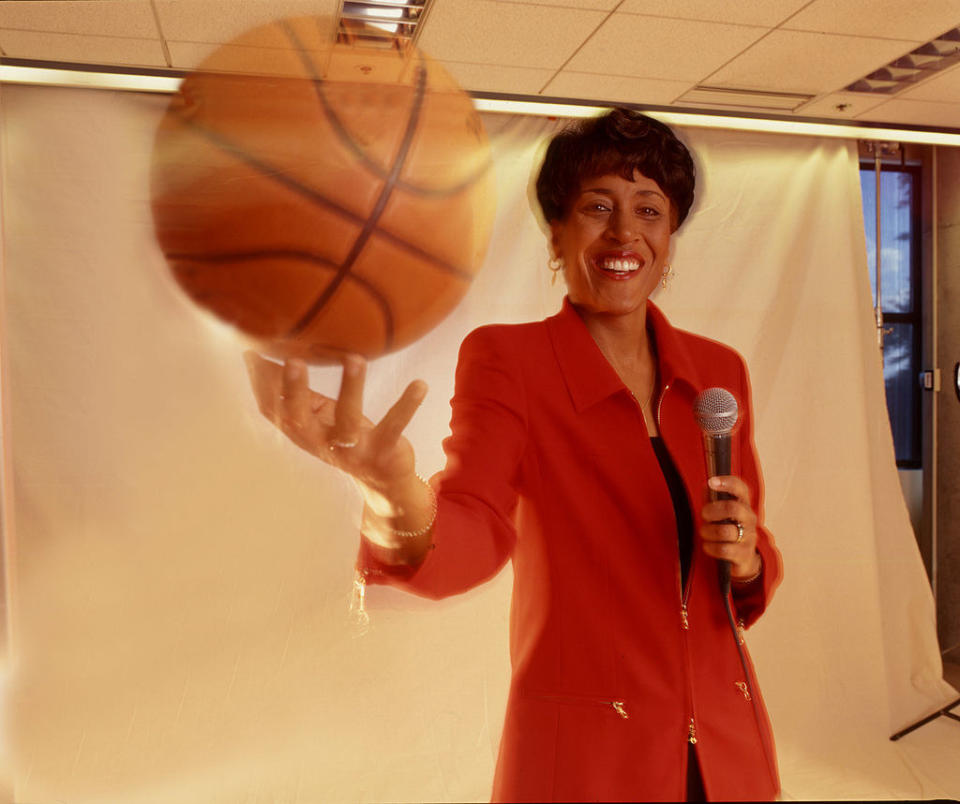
(723, 540)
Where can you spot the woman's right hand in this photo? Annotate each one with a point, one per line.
(336, 431)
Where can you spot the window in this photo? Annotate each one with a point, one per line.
(900, 280)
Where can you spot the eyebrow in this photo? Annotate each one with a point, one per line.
(605, 191)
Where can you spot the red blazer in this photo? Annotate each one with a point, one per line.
(549, 465)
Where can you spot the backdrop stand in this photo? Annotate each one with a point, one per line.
(945, 712)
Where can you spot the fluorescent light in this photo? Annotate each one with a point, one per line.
(796, 127)
(806, 129)
(80, 78)
(537, 108)
(158, 83)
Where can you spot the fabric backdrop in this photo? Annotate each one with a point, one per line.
(180, 575)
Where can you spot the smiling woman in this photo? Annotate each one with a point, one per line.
(575, 454)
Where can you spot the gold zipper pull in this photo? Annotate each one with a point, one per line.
(742, 686)
(692, 737)
(620, 709)
(684, 620)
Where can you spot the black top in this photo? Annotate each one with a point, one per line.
(681, 507)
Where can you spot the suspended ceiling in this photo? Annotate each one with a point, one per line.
(801, 53)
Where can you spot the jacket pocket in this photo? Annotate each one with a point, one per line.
(615, 705)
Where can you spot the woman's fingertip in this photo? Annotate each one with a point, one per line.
(293, 369)
(352, 365)
(715, 483)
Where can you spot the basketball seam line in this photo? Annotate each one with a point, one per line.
(374, 292)
(371, 222)
(345, 139)
(280, 177)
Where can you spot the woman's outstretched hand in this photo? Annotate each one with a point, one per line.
(377, 456)
(727, 541)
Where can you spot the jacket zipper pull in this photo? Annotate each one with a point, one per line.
(692, 737)
(663, 393)
(620, 709)
(684, 620)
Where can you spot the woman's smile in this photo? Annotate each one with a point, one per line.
(618, 265)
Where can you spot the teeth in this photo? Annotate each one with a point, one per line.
(621, 266)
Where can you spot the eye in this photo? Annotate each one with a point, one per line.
(600, 207)
(649, 212)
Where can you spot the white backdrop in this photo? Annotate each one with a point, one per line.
(182, 574)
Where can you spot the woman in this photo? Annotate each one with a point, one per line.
(574, 453)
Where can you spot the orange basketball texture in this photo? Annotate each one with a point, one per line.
(322, 198)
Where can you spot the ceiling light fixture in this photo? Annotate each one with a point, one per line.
(744, 98)
(89, 79)
(75, 76)
(917, 65)
(381, 23)
(693, 120)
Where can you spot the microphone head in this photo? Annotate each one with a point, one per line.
(715, 411)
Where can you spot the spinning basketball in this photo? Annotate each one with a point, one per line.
(322, 198)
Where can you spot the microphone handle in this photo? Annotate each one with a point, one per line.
(717, 448)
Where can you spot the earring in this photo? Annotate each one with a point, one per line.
(668, 274)
(555, 264)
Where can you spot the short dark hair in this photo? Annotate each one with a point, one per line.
(622, 141)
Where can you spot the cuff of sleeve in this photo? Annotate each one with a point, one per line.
(742, 585)
(750, 599)
(374, 567)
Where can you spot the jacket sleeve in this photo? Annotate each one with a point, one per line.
(750, 600)
(473, 534)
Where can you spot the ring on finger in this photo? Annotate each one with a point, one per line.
(739, 532)
(340, 443)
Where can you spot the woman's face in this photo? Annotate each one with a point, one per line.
(614, 242)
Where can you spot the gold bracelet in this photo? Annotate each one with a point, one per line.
(413, 534)
(752, 578)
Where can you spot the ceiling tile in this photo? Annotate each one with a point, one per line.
(188, 55)
(748, 12)
(925, 113)
(233, 58)
(895, 19)
(943, 86)
(219, 21)
(85, 49)
(492, 78)
(615, 88)
(799, 61)
(513, 34)
(129, 18)
(597, 5)
(656, 47)
(852, 103)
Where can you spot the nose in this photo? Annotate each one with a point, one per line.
(620, 226)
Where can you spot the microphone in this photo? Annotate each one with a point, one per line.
(716, 413)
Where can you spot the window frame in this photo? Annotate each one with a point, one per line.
(915, 315)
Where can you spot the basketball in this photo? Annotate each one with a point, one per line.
(322, 198)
